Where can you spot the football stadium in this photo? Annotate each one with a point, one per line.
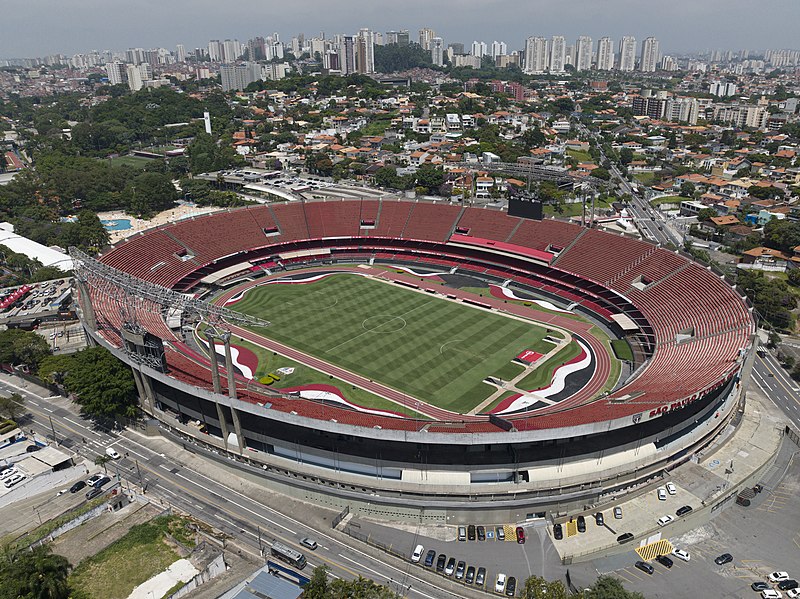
(420, 359)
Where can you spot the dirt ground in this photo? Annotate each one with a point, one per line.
(95, 535)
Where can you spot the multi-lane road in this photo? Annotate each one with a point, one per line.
(249, 518)
(776, 384)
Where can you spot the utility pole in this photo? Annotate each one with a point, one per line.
(53, 428)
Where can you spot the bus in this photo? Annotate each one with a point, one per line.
(288, 555)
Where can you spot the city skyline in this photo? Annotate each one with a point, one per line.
(681, 26)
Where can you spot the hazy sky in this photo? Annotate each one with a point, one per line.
(41, 27)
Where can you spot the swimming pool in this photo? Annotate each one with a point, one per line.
(120, 224)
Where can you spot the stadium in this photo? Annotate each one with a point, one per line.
(419, 359)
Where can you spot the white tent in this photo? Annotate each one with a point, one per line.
(22, 245)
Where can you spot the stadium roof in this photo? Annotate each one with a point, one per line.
(36, 251)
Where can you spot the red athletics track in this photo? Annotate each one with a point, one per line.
(588, 392)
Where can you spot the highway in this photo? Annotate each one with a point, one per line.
(148, 463)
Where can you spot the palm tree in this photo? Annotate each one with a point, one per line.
(102, 460)
(38, 574)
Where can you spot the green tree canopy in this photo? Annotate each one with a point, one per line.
(537, 587)
(608, 587)
(150, 193)
(102, 385)
(35, 574)
(782, 235)
(772, 298)
(22, 347)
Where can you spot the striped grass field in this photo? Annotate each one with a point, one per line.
(433, 349)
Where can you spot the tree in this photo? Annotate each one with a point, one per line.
(793, 277)
(22, 347)
(687, 189)
(601, 173)
(608, 587)
(34, 574)
(626, 156)
(782, 235)
(537, 587)
(317, 588)
(706, 214)
(102, 460)
(12, 406)
(430, 177)
(101, 384)
(149, 193)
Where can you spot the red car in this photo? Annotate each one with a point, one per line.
(520, 535)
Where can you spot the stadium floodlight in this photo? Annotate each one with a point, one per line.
(93, 273)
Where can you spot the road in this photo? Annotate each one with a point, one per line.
(776, 383)
(247, 519)
(650, 222)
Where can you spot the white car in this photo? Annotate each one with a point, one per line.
(771, 594)
(664, 520)
(11, 481)
(93, 479)
(500, 584)
(112, 453)
(662, 494)
(417, 555)
(779, 576)
(681, 554)
(671, 489)
(9, 473)
(793, 593)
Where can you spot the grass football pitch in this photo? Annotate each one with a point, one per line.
(432, 349)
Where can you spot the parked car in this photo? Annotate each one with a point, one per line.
(618, 513)
(13, 480)
(462, 533)
(682, 511)
(662, 494)
(723, 559)
(681, 554)
(8, 473)
(501, 533)
(788, 585)
(450, 567)
(511, 587)
(771, 594)
(664, 520)
(558, 533)
(429, 557)
(77, 486)
(481, 533)
(793, 593)
(471, 532)
(480, 577)
(93, 492)
(664, 561)
(759, 586)
(461, 568)
(470, 577)
(500, 583)
(581, 524)
(520, 535)
(671, 489)
(101, 481)
(32, 448)
(598, 518)
(440, 562)
(624, 538)
(415, 556)
(644, 567)
(778, 576)
(93, 479)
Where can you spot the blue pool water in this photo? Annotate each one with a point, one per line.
(121, 224)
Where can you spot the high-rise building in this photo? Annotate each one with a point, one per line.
(237, 77)
(256, 48)
(627, 53)
(535, 55)
(722, 88)
(498, 49)
(437, 51)
(231, 50)
(214, 51)
(364, 50)
(134, 77)
(558, 54)
(668, 63)
(605, 54)
(649, 60)
(347, 55)
(583, 50)
(426, 36)
(479, 49)
(116, 72)
(180, 53)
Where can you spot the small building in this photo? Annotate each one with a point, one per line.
(763, 258)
